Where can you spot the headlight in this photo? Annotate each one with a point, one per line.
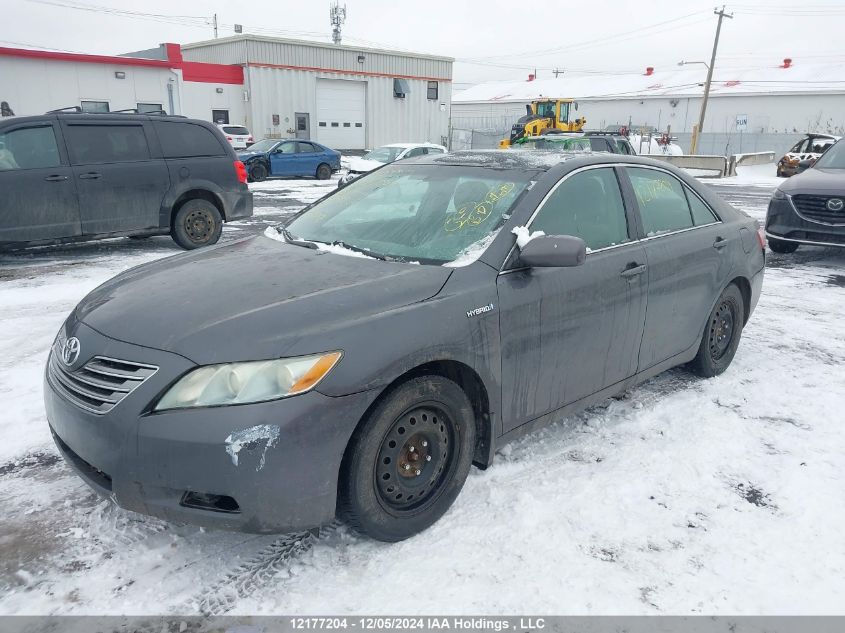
(779, 195)
(254, 381)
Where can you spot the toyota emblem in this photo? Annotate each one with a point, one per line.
(70, 351)
(835, 204)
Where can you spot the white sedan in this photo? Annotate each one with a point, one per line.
(238, 136)
(387, 154)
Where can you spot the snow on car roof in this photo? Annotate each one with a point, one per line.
(540, 160)
(407, 145)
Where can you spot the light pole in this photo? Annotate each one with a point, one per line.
(697, 131)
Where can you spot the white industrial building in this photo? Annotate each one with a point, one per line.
(786, 99)
(345, 97)
(342, 96)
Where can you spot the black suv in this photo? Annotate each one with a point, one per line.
(78, 176)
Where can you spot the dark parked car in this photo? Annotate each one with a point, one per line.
(810, 208)
(76, 176)
(366, 385)
(272, 157)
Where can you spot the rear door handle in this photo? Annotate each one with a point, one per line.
(55, 178)
(633, 270)
(720, 243)
(91, 175)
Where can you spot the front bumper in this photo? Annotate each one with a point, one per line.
(279, 461)
(783, 222)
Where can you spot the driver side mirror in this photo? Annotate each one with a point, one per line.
(553, 251)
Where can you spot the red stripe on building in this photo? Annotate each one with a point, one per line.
(191, 71)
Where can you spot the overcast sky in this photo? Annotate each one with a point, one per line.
(491, 39)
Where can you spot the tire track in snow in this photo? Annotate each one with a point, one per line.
(274, 560)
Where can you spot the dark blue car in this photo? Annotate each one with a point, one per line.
(289, 157)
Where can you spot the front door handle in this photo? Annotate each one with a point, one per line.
(55, 178)
(720, 243)
(91, 175)
(633, 270)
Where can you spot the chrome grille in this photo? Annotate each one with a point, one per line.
(100, 384)
(814, 208)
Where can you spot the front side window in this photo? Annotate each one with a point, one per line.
(417, 151)
(662, 201)
(286, 148)
(29, 148)
(90, 144)
(186, 140)
(432, 90)
(425, 213)
(588, 205)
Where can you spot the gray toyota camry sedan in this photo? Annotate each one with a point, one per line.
(359, 360)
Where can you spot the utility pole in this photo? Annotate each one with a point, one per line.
(337, 15)
(557, 72)
(697, 132)
(215, 26)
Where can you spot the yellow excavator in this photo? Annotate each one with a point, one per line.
(549, 116)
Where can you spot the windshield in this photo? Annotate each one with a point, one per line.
(833, 158)
(263, 146)
(430, 214)
(384, 154)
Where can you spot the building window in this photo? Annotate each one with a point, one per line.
(335, 124)
(400, 88)
(347, 125)
(143, 108)
(220, 116)
(322, 124)
(432, 90)
(359, 125)
(95, 106)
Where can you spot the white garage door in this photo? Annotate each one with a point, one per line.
(341, 113)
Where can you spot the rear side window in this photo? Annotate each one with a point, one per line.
(29, 148)
(701, 213)
(187, 140)
(237, 130)
(662, 201)
(89, 144)
(306, 148)
(598, 144)
(587, 205)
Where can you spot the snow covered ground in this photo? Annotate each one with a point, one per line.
(718, 496)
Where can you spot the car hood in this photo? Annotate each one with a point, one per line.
(816, 181)
(363, 165)
(251, 299)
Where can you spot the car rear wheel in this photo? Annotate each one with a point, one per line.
(781, 247)
(258, 172)
(197, 223)
(408, 461)
(721, 334)
(324, 172)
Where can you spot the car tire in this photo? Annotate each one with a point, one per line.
(324, 172)
(258, 172)
(782, 247)
(407, 462)
(197, 223)
(722, 332)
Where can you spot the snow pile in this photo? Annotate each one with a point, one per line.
(523, 237)
(472, 252)
(337, 249)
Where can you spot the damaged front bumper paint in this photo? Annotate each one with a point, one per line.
(278, 460)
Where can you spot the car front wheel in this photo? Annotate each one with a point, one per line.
(721, 334)
(781, 247)
(258, 172)
(197, 223)
(408, 461)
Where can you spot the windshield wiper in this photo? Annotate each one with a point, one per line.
(358, 249)
(290, 239)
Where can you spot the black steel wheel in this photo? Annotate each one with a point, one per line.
(782, 247)
(258, 172)
(324, 172)
(407, 462)
(197, 223)
(721, 334)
